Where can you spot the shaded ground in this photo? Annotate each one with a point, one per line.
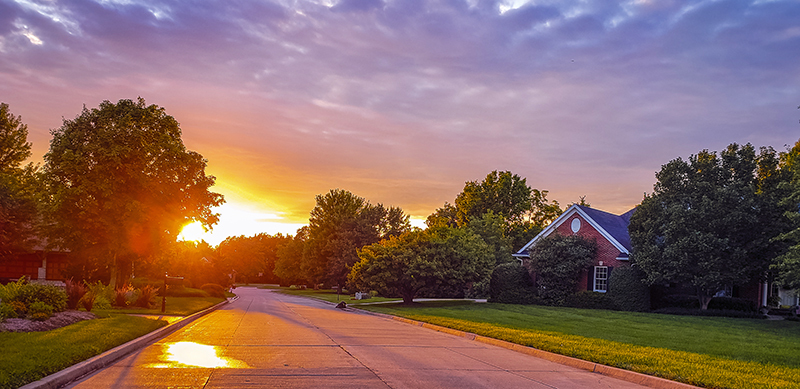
(58, 320)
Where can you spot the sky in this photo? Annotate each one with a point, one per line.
(403, 101)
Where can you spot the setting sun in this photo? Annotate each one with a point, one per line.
(193, 231)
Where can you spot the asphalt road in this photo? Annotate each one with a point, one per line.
(266, 339)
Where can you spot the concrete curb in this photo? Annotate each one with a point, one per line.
(80, 369)
(626, 375)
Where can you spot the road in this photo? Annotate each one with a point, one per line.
(266, 339)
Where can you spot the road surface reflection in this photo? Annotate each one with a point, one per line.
(195, 355)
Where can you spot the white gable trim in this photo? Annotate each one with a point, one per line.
(572, 210)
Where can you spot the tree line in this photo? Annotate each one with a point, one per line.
(117, 185)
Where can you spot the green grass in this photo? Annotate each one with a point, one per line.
(704, 351)
(330, 296)
(180, 306)
(27, 357)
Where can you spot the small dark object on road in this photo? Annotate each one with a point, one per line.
(341, 305)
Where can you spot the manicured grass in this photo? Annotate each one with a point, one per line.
(330, 295)
(29, 356)
(180, 306)
(704, 351)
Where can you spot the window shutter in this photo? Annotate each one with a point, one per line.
(590, 285)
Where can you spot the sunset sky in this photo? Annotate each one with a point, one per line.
(402, 101)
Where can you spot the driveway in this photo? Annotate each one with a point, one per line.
(267, 339)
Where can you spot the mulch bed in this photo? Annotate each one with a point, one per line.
(58, 320)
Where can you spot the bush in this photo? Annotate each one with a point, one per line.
(182, 291)
(627, 291)
(511, 284)
(11, 291)
(145, 297)
(214, 290)
(51, 295)
(732, 304)
(20, 308)
(88, 301)
(103, 295)
(40, 311)
(7, 312)
(710, 312)
(558, 261)
(679, 301)
(75, 291)
(141, 282)
(588, 299)
(123, 296)
(479, 290)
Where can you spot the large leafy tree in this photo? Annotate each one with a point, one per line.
(556, 263)
(17, 185)
(525, 211)
(290, 258)
(121, 182)
(340, 224)
(710, 220)
(252, 257)
(788, 264)
(432, 260)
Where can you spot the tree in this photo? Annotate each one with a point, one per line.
(435, 259)
(18, 208)
(525, 211)
(120, 183)
(709, 221)
(252, 257)
(290, 257)
(556, 263)
(340, 224)
(787, 264)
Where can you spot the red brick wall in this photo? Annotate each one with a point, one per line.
(606, 252)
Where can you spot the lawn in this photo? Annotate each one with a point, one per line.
(29, 356)
(179, 306)
(331, 296)
(704, 351)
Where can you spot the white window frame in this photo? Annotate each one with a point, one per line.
(600, 270)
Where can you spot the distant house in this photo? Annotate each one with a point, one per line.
(36, 265)
(609, 231)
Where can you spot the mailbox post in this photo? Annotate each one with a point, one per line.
(164, 294)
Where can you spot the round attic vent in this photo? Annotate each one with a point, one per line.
(576, 225)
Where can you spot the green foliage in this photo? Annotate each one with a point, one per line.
(51, 295)
(20, 308)
(182, 291)
(214, 290)
(557, 262)
(340, 224)
(120, 183)
(627, 290)
(710, 221)
(101, 295)
(290, 258)
(30, 356)
(17, 198)
(712, 352)
(145, 297)
(7, 312)
(13, 290)
(787, 265)
(253, 258)
(588, 299)
(40, 310)
(710, 313)
(88, 300)
(732, 304)
(74, 291)
(435, 261)
(511, 284)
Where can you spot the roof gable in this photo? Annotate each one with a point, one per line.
(612, 227)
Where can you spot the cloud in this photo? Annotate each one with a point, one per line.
(406, 100)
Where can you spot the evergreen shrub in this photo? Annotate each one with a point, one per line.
(732, 304)
(214, 290)
(627, 291)
(588, 299)
(511, 284)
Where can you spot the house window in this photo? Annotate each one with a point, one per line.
(600, 279)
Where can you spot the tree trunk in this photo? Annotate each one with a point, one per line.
(408, 298)
(704, 298)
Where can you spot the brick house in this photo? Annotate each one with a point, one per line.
(609, 231)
